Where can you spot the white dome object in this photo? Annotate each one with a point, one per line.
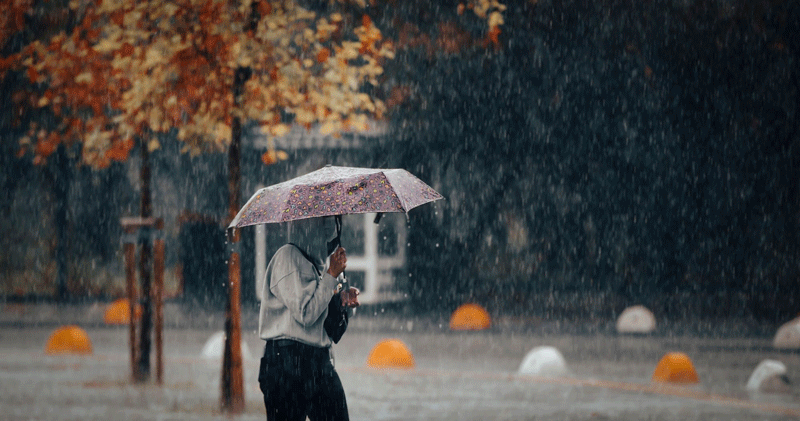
(544, 361)
(769, 376)
(215, 346)
(636, 319)
(788, 335)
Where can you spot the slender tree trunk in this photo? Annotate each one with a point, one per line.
(232, 375)
(145, 265)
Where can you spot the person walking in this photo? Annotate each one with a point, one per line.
(304, 309)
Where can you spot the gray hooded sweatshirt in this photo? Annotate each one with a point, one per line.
(296, 292)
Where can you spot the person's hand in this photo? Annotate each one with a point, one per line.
(338, 262)
(350, 297)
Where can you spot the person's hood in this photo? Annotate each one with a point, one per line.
(312, 236)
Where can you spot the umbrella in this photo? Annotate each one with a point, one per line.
(334, 191)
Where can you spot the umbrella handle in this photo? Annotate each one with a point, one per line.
(338, 242)
(345, 287)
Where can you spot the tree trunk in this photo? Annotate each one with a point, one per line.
(232, 375)
(145, 265)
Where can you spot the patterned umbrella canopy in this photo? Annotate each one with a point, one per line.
(335, 191)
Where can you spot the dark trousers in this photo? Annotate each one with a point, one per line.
(299, 380)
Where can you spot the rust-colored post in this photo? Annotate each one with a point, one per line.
(158, 294)
(145, 265)
(146, 323)
(233, 375)
(130, 286)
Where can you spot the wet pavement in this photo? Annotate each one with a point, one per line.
(458, 375)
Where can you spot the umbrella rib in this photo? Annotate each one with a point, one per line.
(411, 201)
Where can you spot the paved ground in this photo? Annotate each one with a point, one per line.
(458, 376)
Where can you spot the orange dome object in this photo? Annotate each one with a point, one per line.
(119, 313)
(675, 367)
(68, 340)
(470, 317)
(390, 353)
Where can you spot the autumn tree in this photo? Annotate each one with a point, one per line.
(196, 70)
(131, 73)
(26, 22)
(76, 93)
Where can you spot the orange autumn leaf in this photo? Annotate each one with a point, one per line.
(211, 43)
(55, 46)
(118, 18)
(272, 156)
(9, 62)
(97, 105)
(117, 153)
(45, 147)
(126, 50)
(269, 158)
(174, 115)
(494, 36)
(323, 55)
(33, 75)
(264, 8)
(75, 124)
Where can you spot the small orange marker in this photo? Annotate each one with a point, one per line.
(119, 312)
(470, 317)
(675, 367)
(69, 340)
(390, 353)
